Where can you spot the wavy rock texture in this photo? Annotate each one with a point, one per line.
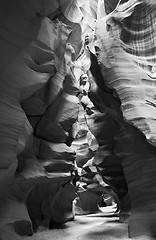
(40, 71)
(131, 67)
(65, 114)
(27, 65)
(126, 68)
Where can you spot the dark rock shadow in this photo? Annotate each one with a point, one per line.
(114, 221)
(54, 225)
(102, 215)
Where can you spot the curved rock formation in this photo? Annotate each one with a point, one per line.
(127, 70)
(75, 126)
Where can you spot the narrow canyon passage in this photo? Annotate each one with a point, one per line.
(77, 119)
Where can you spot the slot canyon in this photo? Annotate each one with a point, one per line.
(77, 119)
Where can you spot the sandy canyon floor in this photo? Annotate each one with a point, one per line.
(101, 226)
